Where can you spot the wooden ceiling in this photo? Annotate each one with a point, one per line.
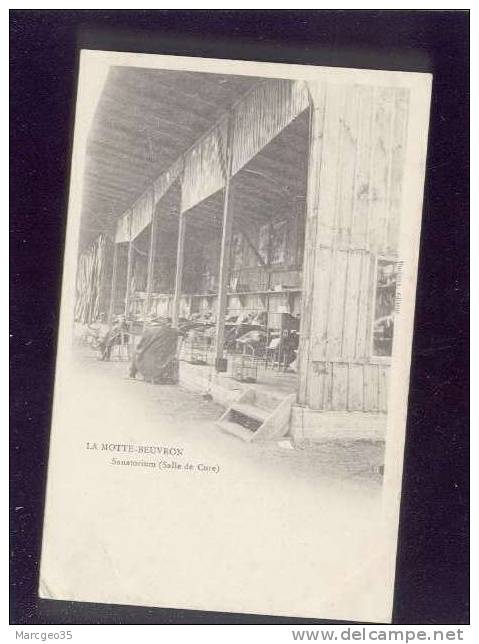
(144, 121)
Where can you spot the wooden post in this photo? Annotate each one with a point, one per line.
(128, 274)
(317, 116)
(114, 278)
(179, 269)
(225, 255)
(151, 257)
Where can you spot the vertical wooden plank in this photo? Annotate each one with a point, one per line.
(380, 169)
(346, 218)
(225, 252)
(311, 395)
(334, 329)
(340, 386)
(179, 270)
(327, 257)
(320, 386)
(350, 315)
(316, 131)
(383, 388)
(347, 169)
(370, 195)
(325, 392)
(322, 277)
(114, 278)
(354, 324)
(397, 169)
(371, 388)
(355, 389)
(390, 153)
(364, 298)
(364, 149)
(371, 304)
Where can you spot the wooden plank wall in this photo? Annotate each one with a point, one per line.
(353, 214)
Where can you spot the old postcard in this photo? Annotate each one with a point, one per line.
(235, 338)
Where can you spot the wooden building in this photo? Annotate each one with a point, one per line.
(285, 209)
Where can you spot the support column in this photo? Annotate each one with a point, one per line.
(114, 279)
(225, 256)
(151, 257)
(179, 269)
(316, 128)
(128, 277)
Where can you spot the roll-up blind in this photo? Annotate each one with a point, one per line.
(166, 180)
(123, 228)
(263, 114)
(141, 213)
(205, 167)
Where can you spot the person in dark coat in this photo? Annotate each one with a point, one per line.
(155, 356)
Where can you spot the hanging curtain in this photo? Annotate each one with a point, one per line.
(91, 273)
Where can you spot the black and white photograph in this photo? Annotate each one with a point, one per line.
(235, 336)
(239, 324)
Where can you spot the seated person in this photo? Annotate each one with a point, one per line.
(118, 334)
(155, 356)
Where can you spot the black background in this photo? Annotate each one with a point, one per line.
(432, 568)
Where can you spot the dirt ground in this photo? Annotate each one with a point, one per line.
(218, 524)
(176, 414)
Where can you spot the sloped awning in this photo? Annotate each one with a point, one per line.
(145, 120)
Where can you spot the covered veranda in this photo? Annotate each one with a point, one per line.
(266, 221)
